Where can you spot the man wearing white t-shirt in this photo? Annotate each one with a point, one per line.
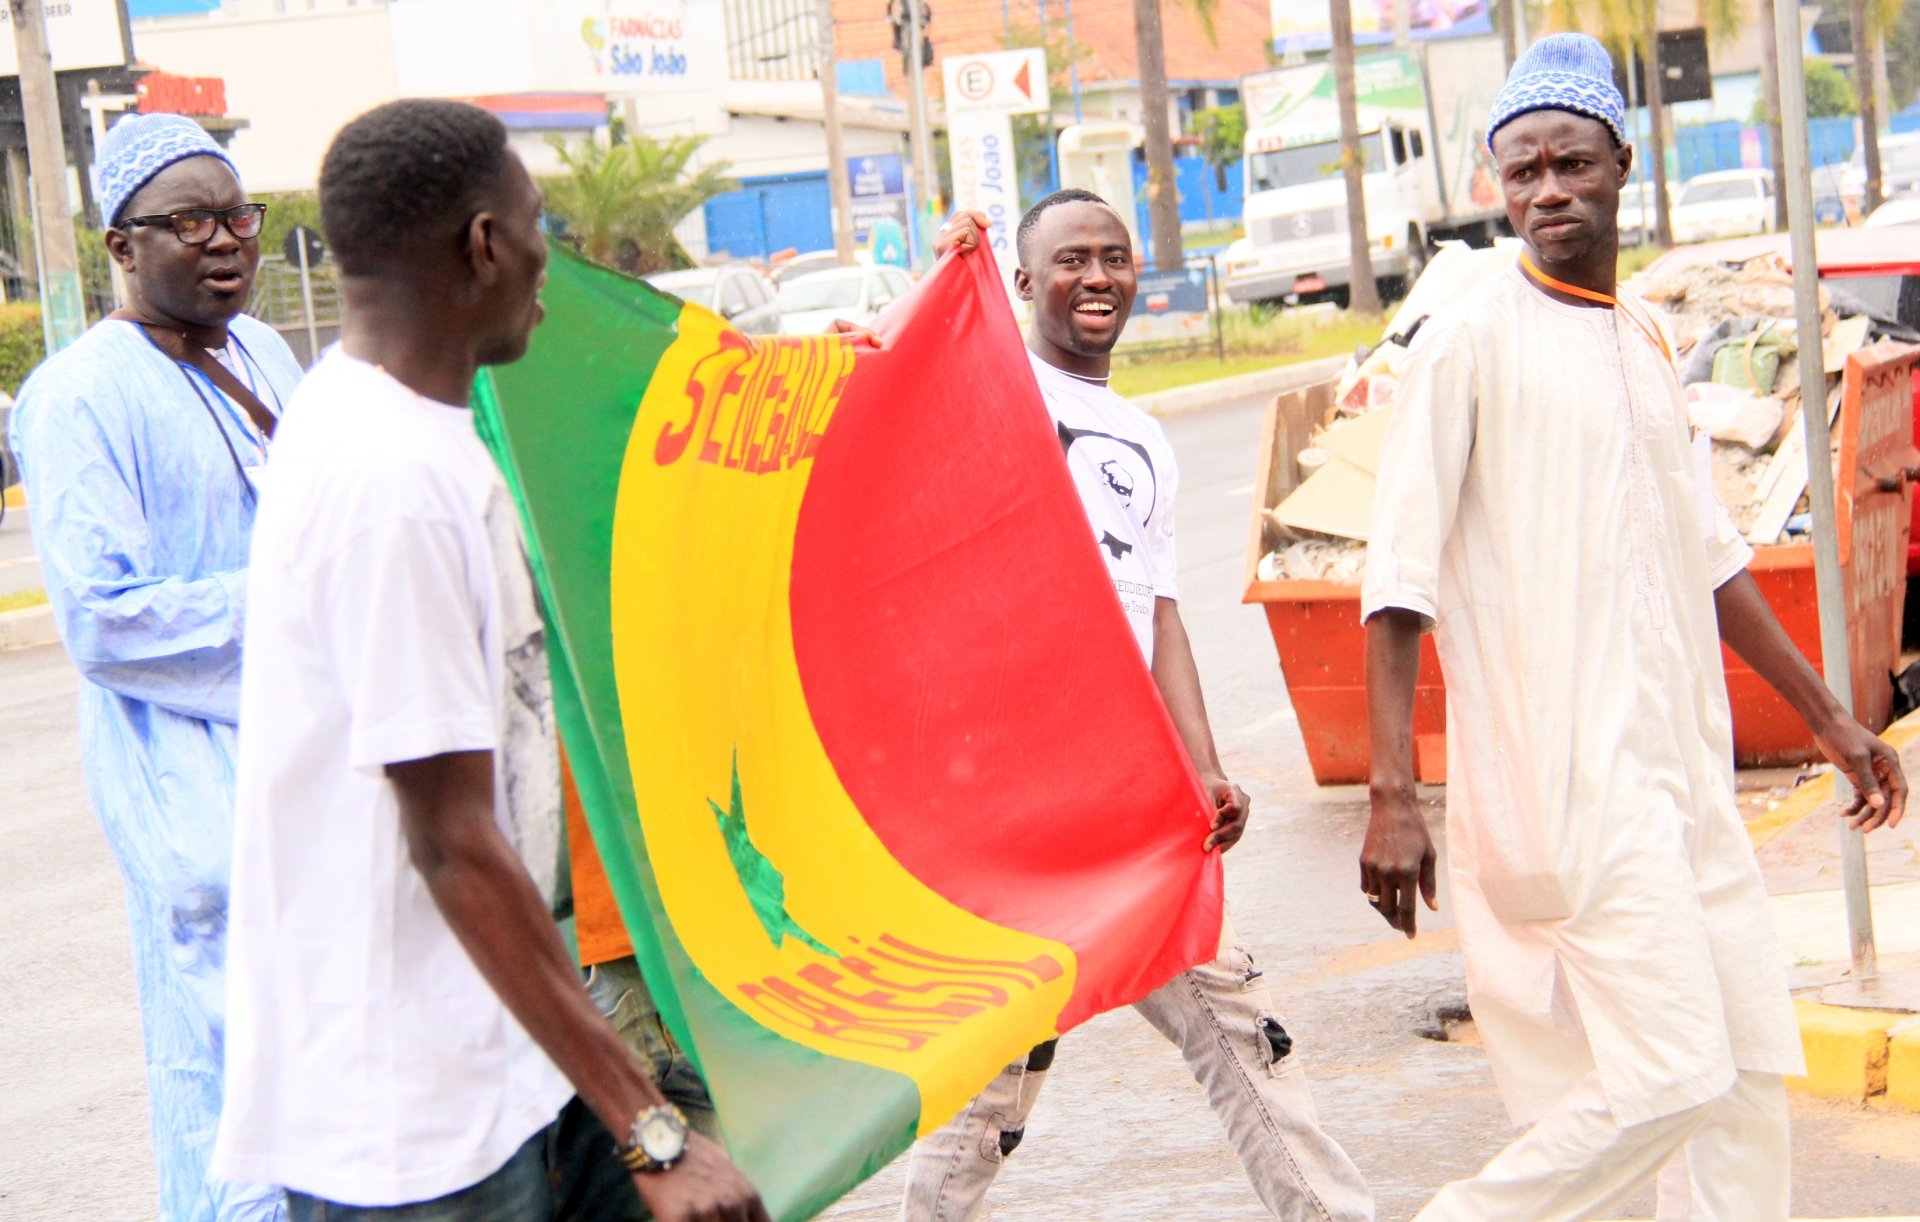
(1076, 267)
(407, 1036)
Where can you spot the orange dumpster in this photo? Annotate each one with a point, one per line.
(1321, 644)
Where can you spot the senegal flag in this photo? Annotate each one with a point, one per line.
(883, 787)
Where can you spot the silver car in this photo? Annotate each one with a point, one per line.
(736, 292)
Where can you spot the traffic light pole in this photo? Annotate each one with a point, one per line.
(926, 185)
(63, 314)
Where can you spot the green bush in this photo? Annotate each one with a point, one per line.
(285, 209)
(21, 343)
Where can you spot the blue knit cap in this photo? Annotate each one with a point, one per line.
(1562, 72)
(139, 147)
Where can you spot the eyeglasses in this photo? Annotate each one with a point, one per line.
(195, 226)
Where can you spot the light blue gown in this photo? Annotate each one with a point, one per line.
(142, 524)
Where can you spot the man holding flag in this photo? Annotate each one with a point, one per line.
(1076, 265)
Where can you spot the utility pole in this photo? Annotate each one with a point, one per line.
(63, 314)
(837, 189)
(1835, 657)
(1363, 295)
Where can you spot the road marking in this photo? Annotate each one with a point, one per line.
(1246, 490)
(18, 560)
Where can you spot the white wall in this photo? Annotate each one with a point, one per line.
(296, 79)
(759, 146)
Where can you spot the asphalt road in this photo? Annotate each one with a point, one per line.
(1122, 1134)
(19, 570)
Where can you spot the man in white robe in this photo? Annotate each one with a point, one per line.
(1538, 508)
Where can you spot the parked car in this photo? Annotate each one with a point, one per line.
(1902, 211)
(809, 304)
(736, 292)
(805, 265)
(1636, 207)
(1724, 204)
(1899, 169)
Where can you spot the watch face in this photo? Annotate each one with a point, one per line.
(661, 1134)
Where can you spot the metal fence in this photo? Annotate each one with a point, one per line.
(277, 302)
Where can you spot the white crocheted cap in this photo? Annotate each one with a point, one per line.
(1562, 72)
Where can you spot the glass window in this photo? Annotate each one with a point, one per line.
(759, 292)
(1306, 163)
(1419, 145)
(1399, 147)
(897, 282)
(733, 296)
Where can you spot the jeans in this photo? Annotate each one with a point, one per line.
(566, 1172)
(1222, 1018)
(618, 990)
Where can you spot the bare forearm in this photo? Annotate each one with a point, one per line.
(1750, 629)
(1178, 678)
(1393, 672)
(492, 906)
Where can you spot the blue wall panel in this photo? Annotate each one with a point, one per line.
(771, 214)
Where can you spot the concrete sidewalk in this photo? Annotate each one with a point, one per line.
(1862, 1038)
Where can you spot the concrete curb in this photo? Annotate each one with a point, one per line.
(1278, 380)
(1852, 1053)
(28, 627)
(1818, 792)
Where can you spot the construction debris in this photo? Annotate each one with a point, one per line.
(1736, 350)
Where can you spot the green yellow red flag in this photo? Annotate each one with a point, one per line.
(882, 784)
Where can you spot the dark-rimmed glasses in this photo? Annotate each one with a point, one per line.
(195, 226)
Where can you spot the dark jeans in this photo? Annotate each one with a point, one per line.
(564, 1173)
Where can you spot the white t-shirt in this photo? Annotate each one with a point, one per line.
(1124, 471)
(391, 618)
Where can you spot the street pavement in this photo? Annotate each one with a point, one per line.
(1121, 1134)
(19, 570)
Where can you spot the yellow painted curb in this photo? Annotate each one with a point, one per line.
(1817, 792)
(1903, 1064)
(16, 496)
(1846, 1050)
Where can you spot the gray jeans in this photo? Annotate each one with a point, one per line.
(1222, 1018)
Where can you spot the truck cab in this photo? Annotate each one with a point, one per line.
(1296, 244)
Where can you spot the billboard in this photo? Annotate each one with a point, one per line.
(878, 190)
(1301, 25)
(460, 48)
(80, 34)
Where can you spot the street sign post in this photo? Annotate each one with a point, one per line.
(984, 92)
(304, 248)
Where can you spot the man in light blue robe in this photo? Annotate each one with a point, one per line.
(142, 447)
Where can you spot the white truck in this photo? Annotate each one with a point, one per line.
(1423, 124)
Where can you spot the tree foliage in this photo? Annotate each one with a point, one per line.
(1223, 136)
(1830, 94)
(617, 204)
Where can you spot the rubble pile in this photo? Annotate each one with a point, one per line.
(1733, 327)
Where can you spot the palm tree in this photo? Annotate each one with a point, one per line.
(1163, 199)
(1363, 297)
(618, 204)
(1869, 21)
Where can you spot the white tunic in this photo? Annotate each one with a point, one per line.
(1537, 503)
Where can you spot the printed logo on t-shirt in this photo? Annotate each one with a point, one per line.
(1123, 466)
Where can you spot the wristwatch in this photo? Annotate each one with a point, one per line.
(656, 1141)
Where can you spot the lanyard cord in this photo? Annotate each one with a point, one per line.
(1573, 290)
(186, 371)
